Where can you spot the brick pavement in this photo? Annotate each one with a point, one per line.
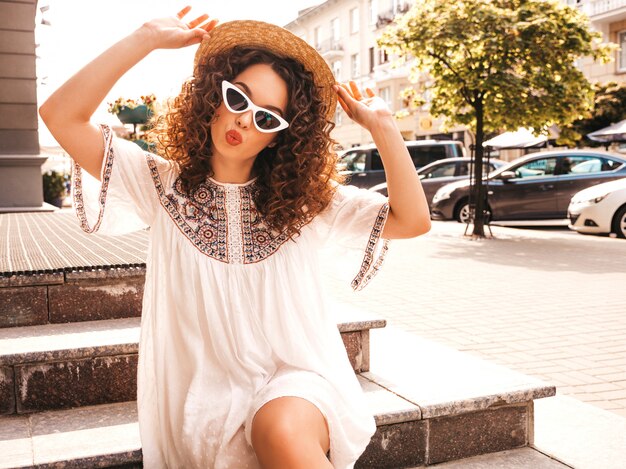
(548, 302)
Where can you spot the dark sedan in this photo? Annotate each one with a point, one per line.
(534, 187)
(442, 172)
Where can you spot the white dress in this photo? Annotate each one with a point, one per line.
(234, 315)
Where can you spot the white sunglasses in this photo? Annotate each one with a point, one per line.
(236, 101)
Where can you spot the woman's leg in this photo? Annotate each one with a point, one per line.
(290, 433)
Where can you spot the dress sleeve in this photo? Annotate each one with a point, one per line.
(353, 224)
(125, 198)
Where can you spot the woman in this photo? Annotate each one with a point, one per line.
(241, 364)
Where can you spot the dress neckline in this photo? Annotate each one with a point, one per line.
(226, 184)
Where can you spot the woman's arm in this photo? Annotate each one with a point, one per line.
(68, 110)
(409, 215)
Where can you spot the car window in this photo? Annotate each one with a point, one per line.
(358, 162)
(424, 154)
(463, 168)
(353, 161)
(540, 167)
(444, 170)
(377, 163)
(586, 164)
(456, 150)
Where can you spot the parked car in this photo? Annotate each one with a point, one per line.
(538, 186)
(439, 173)
(364, 166)
(599, 209)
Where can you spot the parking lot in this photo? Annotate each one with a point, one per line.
(547, 302)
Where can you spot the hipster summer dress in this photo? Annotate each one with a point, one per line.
(234, 314)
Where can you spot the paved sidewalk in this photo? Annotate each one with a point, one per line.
(547, 302)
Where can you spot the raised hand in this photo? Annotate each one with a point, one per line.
(172, 32)
(365, 111)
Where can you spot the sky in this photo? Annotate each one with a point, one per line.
(81, 30)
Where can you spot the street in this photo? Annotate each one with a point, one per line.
(548, 302)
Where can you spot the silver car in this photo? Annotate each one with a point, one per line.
(442, 172)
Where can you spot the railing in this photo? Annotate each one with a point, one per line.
(329, 45)
(599, 7)
(388, 16)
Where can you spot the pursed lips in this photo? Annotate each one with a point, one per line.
(234, 135)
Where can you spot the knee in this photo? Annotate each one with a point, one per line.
(271, 429)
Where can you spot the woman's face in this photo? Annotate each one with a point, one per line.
(234, 135)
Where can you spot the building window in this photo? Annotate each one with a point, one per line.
(354, 20)
(337, 69)
(339, 115)
(621, 62)
(383, 57)
(372, 64)
(355, 66)
(316, 37)
(334, 29)
(373, 11)
(385, 94)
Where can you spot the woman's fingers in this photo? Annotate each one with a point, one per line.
(348, 90)
(355, 91)
(210, 25)
(370, 92)
(183, 12)
(197, 21)
(344, 106)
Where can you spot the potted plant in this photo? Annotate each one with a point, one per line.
(131, 111)
(53, 188)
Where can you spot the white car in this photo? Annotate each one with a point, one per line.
(599, 209)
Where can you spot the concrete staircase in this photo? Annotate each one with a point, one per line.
(68, 362)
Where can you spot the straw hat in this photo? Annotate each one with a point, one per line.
(249, 33)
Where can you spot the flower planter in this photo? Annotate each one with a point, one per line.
(137, 115)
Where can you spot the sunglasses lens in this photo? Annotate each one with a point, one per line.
(265, 120)
(236, 100)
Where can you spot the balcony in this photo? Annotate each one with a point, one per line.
(331, 49)
(388, 16)
(604, 11)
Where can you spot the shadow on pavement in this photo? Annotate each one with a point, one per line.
(536, 249)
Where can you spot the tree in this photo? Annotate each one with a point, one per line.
(609, 108)
(498, 65)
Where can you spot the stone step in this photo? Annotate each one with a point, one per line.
(432, 405)
(467, 406)
(78, 295)
(58, 366)
(520, 458)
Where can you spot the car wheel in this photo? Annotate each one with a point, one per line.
(462, 214)
(619, 222)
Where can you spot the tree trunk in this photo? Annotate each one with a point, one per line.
(479, 188)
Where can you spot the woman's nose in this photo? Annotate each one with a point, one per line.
(245, 119)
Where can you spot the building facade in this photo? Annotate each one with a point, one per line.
(609, 18)
(20, 161)
(345, 32)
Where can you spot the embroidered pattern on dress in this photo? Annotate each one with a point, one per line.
(233, 213)
(368, 268)
(221, 222)
(200, 217)
(259, 240)
(77, 191)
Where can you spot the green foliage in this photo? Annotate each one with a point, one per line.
(514, 59)
(609, 108)
(53, 186)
